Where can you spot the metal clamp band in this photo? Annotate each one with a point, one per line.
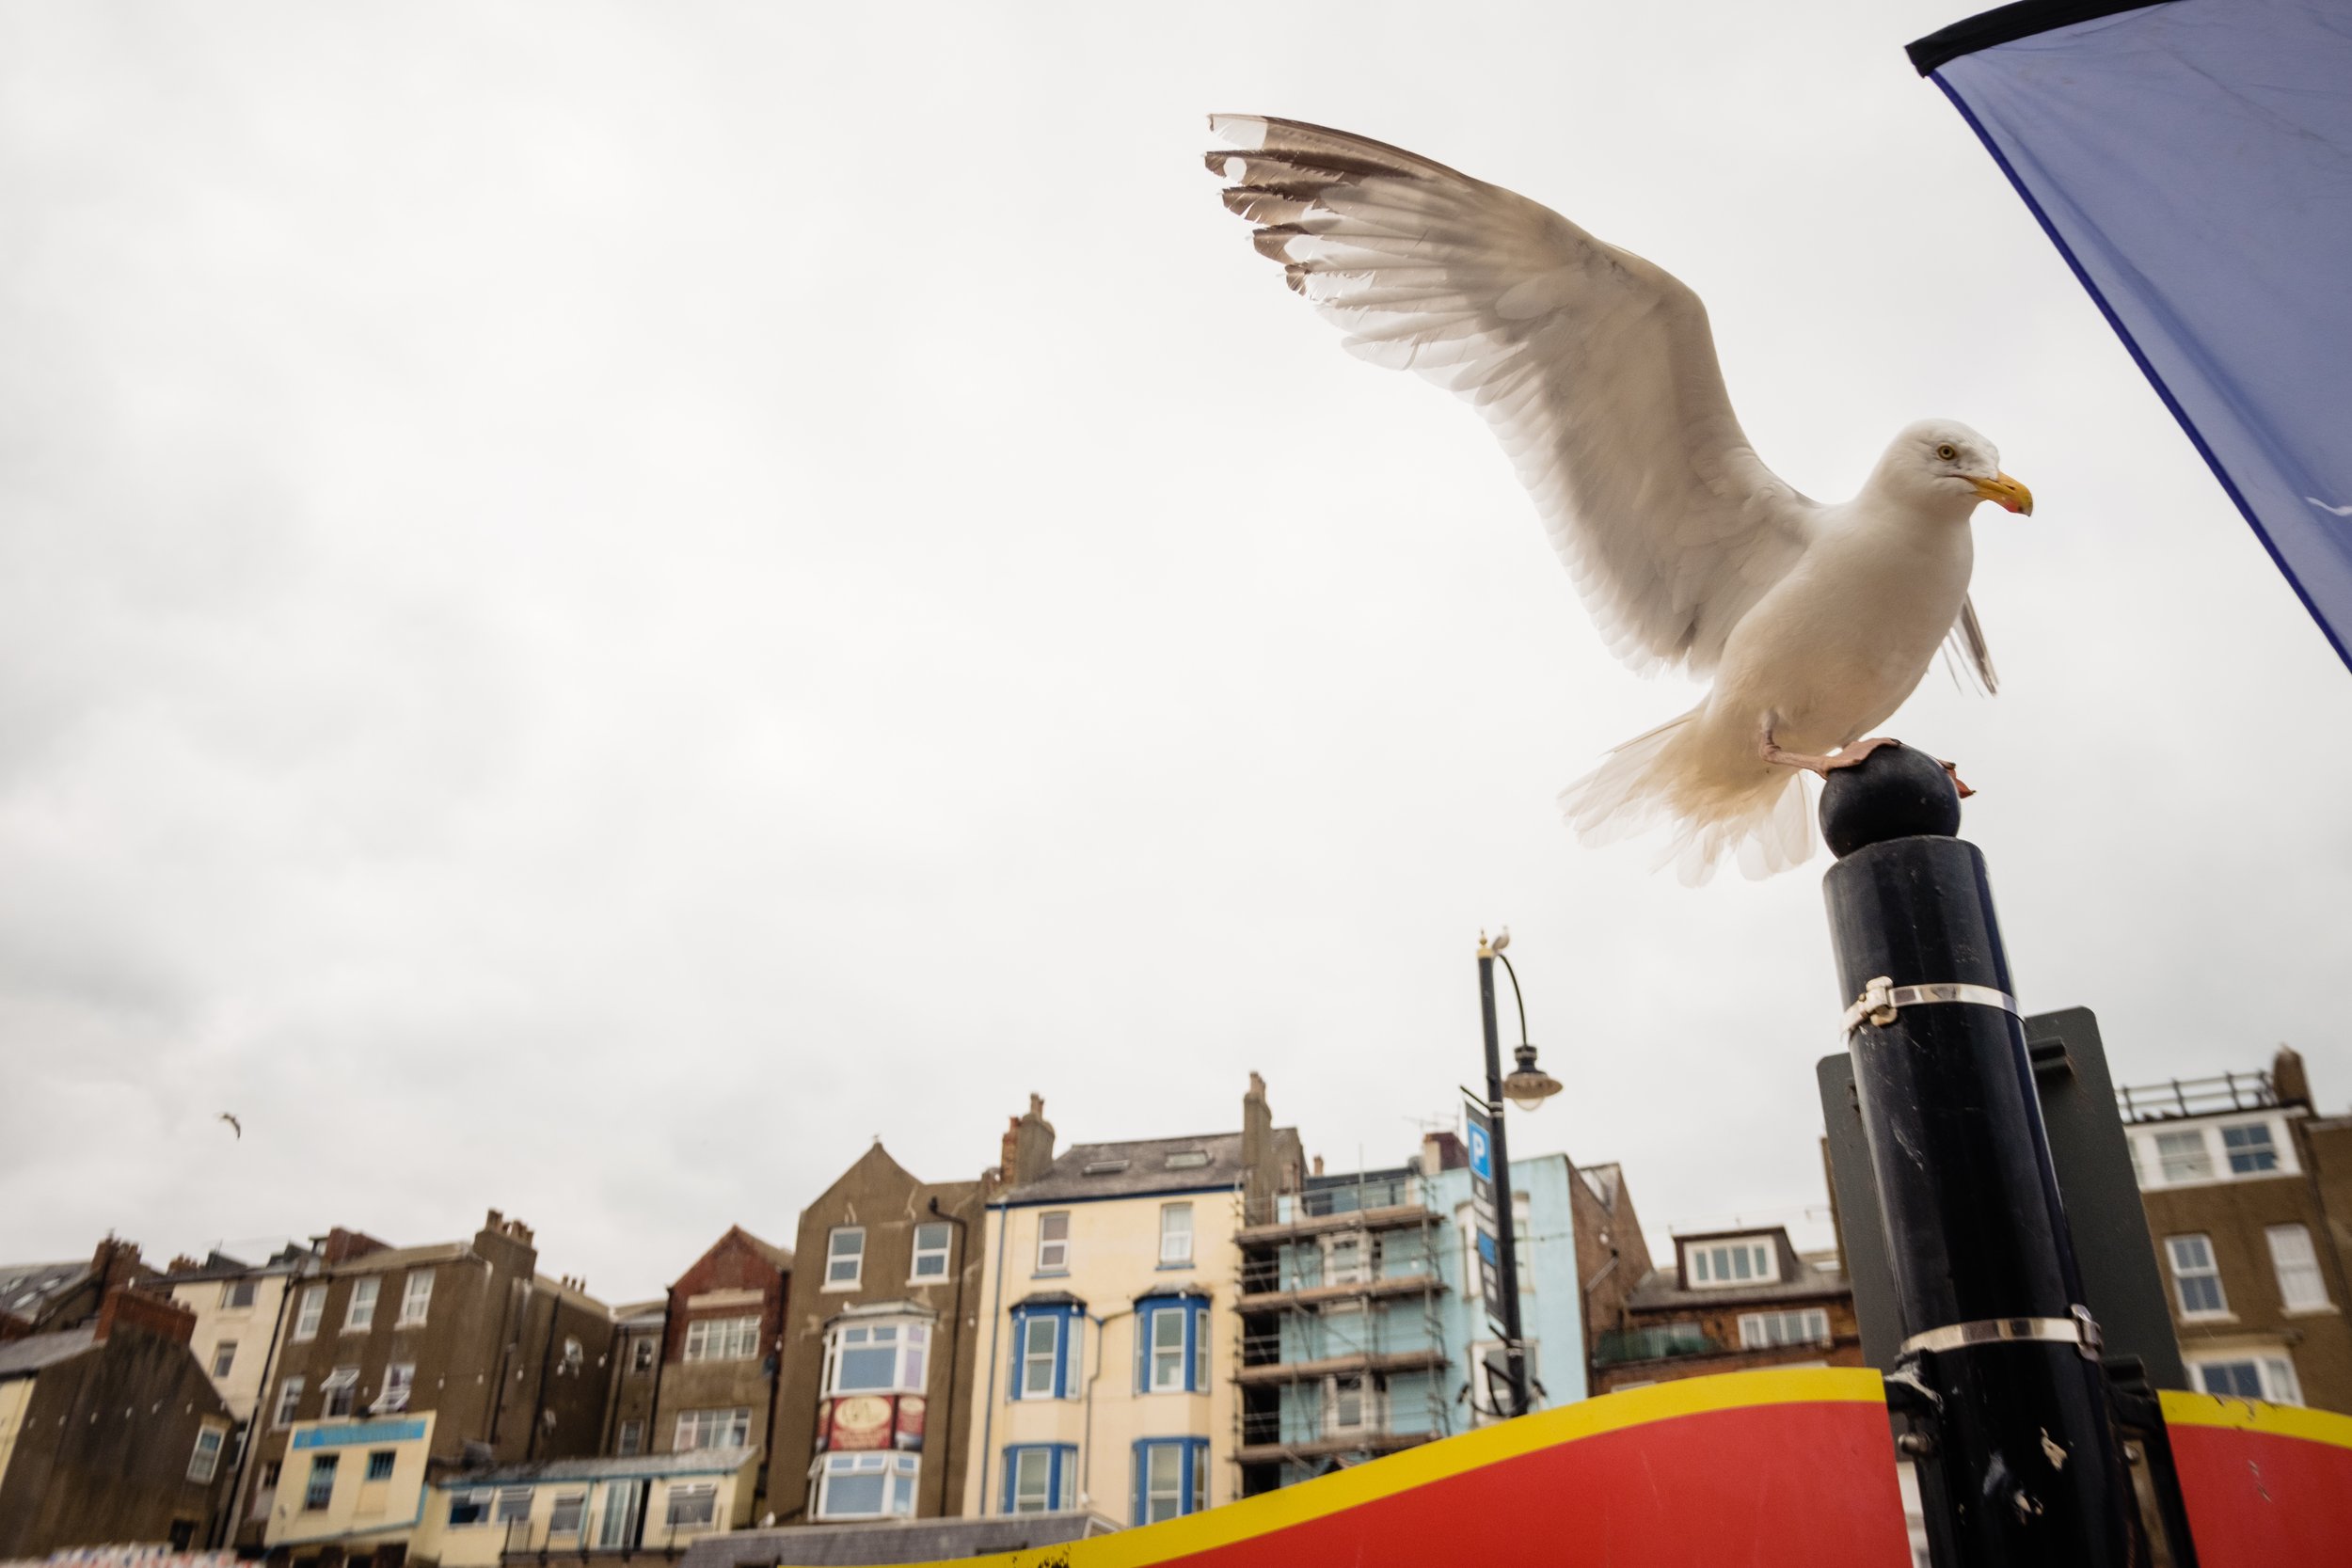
(1882, 999)
(2078, 1330)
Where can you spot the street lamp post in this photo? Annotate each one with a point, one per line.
(1528, 1087)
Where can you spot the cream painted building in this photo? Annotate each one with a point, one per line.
(358, 1484)
(240, 1308)
(1108, 1337)
(635, 1505)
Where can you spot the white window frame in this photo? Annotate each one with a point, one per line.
(642, 1354)
(2301, 1287)
(289, 1402)
(1172, 1495)
(1723, 1257)
(512, 1503)
(341, 1388)
(835, 1257)
(2210, 1160)
(898, 1473)
(323, 1468)
(1045, 1455)
(701, 1495)
(399, 1385)
(415, 1304)
(1175, 1235)
(723, 1339)
(204, 1463)
(698, 1429)
(1159, 1357)
(578, 1503)
(939, 1254)
(1034, 1360)
(1052, 1242)
(360, 1312)
(630, 1438)
(227, 1348)
(909, 1339)
(1349, 1259)
(2274, 1368)
(1334, 1397)
(1804, 1325)
(311, 1313)
(229, 1293)
(2174, 1249)
(390, 1463)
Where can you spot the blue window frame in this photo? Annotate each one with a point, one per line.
(1044, 1357)
(1040, 1478)
(1171, 1478)
(1171, 1344)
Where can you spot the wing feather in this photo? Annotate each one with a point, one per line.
(1595, 369)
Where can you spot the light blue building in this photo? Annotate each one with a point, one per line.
(1362, 1331)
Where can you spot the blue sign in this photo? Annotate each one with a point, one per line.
(1482, 1153)
(363, 1432)
(2189, 161)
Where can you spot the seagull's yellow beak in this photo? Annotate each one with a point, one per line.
(2006, 493)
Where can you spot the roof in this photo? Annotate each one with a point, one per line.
(693, 1461)
(26, 1357)
(642, 1314)
(291, 1259)
(396, 1257)
(24, 1286)
(780, 1255)
(892, 1540)
(1135, 1169)
(1659, 1290)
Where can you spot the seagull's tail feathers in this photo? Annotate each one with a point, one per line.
(1721, 806)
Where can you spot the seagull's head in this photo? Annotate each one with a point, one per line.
(1944, 462)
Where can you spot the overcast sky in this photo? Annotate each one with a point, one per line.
(601, 604)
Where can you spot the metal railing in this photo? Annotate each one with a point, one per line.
(2197, 1097)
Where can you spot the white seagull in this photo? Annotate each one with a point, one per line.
(1598, 372)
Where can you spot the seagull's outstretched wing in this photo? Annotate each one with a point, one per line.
(1596, 369)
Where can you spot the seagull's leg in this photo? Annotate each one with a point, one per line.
(1846, 756)
(1773, 752)
(1958, 783)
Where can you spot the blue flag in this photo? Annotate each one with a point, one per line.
(2193, 162)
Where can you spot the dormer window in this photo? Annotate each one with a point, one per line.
(1712, 1265)
(1104, 1167)
(2239, 1150)
(1189, 1158)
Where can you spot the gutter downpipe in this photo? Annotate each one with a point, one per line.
(995, 1315)
(955, 1347)
(226, 1535)
(1086, 1453)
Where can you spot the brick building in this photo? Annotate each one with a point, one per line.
(399, 1364)
(715, 1385)
(110, 1433)
(2249, 1197)
(1733, 1300)
(878, 1348)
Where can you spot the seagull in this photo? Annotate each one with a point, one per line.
(1597, 371)
(235, 1126)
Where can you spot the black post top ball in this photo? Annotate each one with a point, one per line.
(1896, 792)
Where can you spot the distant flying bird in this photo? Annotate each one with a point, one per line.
(234, 1124)
(1597, 371)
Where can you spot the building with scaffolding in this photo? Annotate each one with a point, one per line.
(1358, 1336)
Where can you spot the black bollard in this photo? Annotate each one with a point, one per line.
(2018, 1461)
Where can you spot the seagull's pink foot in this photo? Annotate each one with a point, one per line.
(1958, 783)
(1845, 757)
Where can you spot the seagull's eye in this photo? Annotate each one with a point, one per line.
(1948, 451)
